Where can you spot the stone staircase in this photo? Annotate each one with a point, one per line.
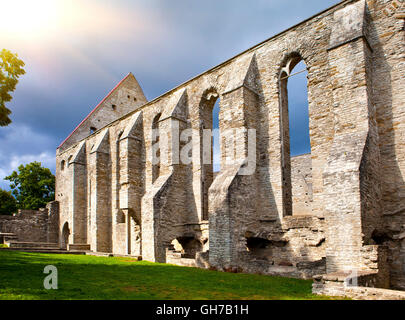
(6, 237)
(39, 247)
(33, 245)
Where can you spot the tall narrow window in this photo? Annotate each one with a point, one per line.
(215, 143)
(296, 146)
(209, 110)
(155, 148)
(298, 111)
(120, 218)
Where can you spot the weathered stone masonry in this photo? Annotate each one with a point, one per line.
(338, 209)
(33, 225)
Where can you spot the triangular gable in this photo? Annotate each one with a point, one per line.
(125, 97)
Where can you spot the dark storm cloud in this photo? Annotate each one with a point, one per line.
(164, 43)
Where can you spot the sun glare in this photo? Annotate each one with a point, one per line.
(29, 18)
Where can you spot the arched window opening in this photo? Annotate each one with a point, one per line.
(215, 143)
(62, 165)
(120, 215)
(155, 148)
(92, 130)
(298, 112)
(209, 108)
(295, 134)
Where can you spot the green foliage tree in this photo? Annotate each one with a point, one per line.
(10, 70)
(8, 204)
(33, 186)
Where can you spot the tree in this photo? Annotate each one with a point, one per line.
(33, 186)
(10, 70)
(8, 204)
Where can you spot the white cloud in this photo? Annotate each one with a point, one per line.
(46, 159)
(19, 144)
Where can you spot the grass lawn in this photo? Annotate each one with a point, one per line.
(90, 277)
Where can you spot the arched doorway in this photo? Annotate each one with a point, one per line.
(65, 236)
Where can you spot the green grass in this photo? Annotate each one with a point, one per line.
(90, 277)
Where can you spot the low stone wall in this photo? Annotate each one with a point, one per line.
(359, 286)
(294, 248)
(28, 225)
(33, 225)
(339, 289)
(364, 293)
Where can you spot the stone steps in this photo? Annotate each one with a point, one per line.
(27, 245)
(6, 237)
(40, 247)
(79, 247)
(106, 254)
(44, 250)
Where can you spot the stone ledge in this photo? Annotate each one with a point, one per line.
(335, 284)
(344, 275)
(365, 293)
(79, 246)
(296, 222)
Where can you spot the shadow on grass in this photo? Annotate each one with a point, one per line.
(90, 277)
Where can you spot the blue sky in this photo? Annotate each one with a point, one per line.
(76, 51)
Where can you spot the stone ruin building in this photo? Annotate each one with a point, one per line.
(336, 212)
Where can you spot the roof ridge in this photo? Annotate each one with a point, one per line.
(94, 109)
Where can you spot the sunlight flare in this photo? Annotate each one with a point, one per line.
(29, 19)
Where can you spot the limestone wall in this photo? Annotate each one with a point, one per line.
(301, 182)
(293, 216)
(387, 37)
(33, 225)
